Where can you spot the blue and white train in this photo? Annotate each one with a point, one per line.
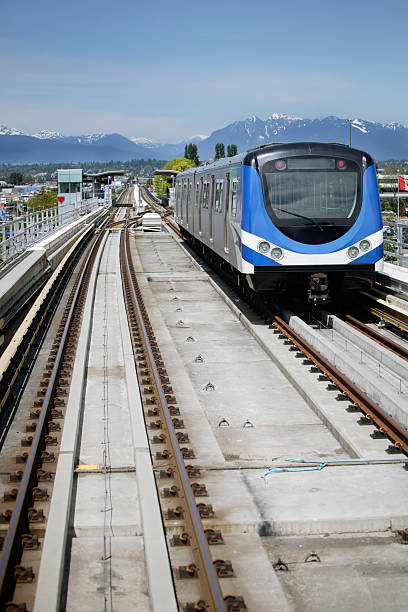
(296, 218)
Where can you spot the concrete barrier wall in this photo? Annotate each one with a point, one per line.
(389, 360)
(37, 261)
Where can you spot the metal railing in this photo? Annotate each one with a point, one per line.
(19, 233)
(396, 237)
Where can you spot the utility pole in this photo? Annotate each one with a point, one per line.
(349, 121)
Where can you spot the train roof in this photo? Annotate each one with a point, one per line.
(283, 148)
(305, 148)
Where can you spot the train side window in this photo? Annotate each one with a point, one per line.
(189, 194)
(217, 197)
(197, 195)
(234, 198)
(221, 196)
(184, 200)
(178, 199)
(205, 196)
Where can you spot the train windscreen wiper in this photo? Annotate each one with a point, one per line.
(289, 212)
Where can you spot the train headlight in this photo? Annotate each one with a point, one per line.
(353, 252)
(263, 247)
(365, 245)
(276, 253)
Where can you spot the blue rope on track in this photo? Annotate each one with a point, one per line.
(316, 465)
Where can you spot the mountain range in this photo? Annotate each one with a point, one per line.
(382, 141)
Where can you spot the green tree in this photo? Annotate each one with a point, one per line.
(179, 164)
(219, 150)
(190, 152)
(232, 150)
(15, 178)
(46, 198)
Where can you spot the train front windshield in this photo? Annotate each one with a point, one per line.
(312, 199)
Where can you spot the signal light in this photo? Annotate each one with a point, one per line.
(280, 164)
(341, 164)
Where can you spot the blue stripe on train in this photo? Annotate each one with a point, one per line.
(370, 258)
(256, 259)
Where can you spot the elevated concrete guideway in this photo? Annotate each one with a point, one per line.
(22, 276)
(248, 412)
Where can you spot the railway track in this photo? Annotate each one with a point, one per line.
(379, 338)
(24, 508)
(379, 306)
(26, 504)
(386, 425)
(168, 435)
(187, 515)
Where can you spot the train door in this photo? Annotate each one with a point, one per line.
(211, 204)
(204, 221)
(188, 197)
(226, 207)
(199, 204)
(183, 203)
(217, 218)
(196, 203)
(177, 200)
(191, 204)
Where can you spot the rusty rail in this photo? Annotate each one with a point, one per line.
(381, 419)
(159, 403)
(37, 462)
(378, 337)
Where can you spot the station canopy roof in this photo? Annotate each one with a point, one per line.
(166, 172)
(102, 177)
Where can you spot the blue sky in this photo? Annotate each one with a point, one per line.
(171, 70)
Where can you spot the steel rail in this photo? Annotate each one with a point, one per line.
(18, 522)
(207, 574)
(386, 424)
(388, 312)
(388, 316)
(378, 337)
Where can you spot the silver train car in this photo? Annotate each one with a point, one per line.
(300, 218)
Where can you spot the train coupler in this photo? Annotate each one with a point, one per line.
(318, 292)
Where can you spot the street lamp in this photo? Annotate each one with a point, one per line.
(350, 121)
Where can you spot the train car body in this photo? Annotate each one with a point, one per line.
(287, 217)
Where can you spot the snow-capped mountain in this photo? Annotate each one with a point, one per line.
(5, 131)
(90, 138)
(383, 141)
(47, 135)
(146, 142)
